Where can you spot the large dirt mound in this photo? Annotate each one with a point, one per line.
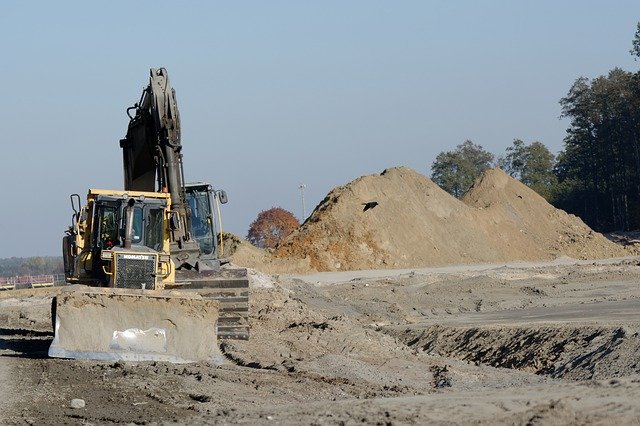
(525, 226)
(416, 223)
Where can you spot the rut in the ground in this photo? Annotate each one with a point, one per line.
(577, 353)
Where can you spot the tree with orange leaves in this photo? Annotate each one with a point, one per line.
(271, 226)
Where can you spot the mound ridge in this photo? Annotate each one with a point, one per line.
(416, 223)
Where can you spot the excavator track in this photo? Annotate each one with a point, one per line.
(230, 287)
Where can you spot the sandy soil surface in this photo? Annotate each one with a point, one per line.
(523, 343)
(504, 326)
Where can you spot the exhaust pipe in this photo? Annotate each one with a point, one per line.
(128, 229)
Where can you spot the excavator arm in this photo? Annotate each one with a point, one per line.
(152, 160)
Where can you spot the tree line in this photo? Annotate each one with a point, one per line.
(37, 265)
(597, 174)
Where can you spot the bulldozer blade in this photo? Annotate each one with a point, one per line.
(134, 325)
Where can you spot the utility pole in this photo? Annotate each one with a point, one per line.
(302, 187)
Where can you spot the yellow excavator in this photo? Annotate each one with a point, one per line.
(148, 279)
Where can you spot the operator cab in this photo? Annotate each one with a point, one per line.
(203, 203)
(127, 236)
(109, 222)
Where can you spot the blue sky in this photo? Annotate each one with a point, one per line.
(274, 94)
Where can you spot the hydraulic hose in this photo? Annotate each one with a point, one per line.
(219, 226)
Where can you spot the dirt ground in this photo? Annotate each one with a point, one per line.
(479, 336)
(519, 343)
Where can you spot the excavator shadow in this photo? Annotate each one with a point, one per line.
(24, 343)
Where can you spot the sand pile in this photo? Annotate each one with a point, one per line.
(242, 253)
(523, 225)
(415, 223)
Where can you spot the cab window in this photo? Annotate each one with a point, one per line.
(108, 223)
(155, 229)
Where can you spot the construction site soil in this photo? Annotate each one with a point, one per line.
(505, 311)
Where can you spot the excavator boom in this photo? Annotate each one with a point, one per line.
(152, 159)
